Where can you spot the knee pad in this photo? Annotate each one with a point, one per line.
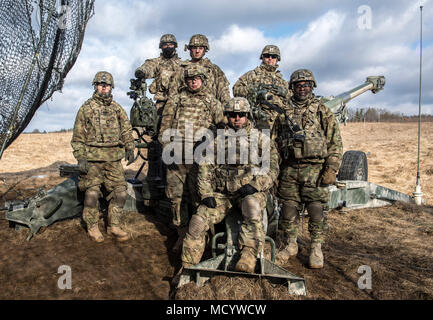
(197, 226)
(251, 208)
(290, 210)
(119, 198)
(315, 210)
(91, 197)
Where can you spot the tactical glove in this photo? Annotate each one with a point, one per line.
(209, 202)
(129, 156)
(139, 74)
(246, 190)
(83, 166)
(328, 176)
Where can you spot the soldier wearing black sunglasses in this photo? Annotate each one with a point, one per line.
(265, 84)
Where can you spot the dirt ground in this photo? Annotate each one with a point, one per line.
(395, 242)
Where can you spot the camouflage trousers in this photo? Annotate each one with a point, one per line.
(298, 186)
(181, 189)
(111, 175)
(252, 232)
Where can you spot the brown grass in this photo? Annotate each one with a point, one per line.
(391, 149)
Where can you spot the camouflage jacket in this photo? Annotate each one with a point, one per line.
(260, 172)
(102, 131)
(216, 81)
(162, 70)
(200, 108)
(322, 144)
(269, 78)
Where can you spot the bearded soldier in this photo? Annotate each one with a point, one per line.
(217, 83)
(161, 69)
(264, 86)
(309, 165)
(225, 187)
(102, 136)
(191, 109)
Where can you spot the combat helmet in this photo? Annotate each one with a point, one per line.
(103, 77)
(166, 38)
(193, 70)
(271, 49)
(302, 75)
(198, 40)
(237, 104)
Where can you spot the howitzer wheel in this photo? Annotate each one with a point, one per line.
(354, 166)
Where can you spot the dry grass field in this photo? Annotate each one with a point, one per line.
(396, 242)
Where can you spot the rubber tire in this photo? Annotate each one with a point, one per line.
(354, 166)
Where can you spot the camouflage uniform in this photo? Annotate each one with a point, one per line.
(201, 110)
(305, 163)
(162, 69)
(223, 182)
(216, 81)
(268, 77)
(102, 132)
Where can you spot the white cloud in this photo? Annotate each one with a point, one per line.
(321, 35)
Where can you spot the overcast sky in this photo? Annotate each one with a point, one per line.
(341, 42)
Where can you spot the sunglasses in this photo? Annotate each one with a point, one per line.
(273, 56)
(233, 114)
(305, 85)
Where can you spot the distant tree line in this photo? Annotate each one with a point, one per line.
(383, 115)
(39, 131)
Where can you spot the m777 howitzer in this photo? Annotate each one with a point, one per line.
(65, 200)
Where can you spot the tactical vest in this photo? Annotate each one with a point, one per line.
(160, 86)
(194, 108)
(231, 177)
(102, 125)
(308, 119)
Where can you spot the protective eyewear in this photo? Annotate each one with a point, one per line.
(233, 114)
(305, 85)
(273, 56)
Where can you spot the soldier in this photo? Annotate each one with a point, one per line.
(217, 83)
(161, 69)
(308, 166)
(224, 187)
(194, 105)
(265, 85)
(102, 136)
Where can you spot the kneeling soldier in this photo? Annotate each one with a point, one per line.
(224, 187)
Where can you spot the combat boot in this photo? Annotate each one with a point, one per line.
(247, 262)
(95, 233)
(290, 250)
(316, 256)
(181, 232)
(118, 233)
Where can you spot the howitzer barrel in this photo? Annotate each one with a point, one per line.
(337, 104)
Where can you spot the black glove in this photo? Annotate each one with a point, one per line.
(139, 74)
(129, 156)
(209, 202)
(83, 166)
(246, 190)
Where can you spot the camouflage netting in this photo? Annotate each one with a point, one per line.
(40, 42)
